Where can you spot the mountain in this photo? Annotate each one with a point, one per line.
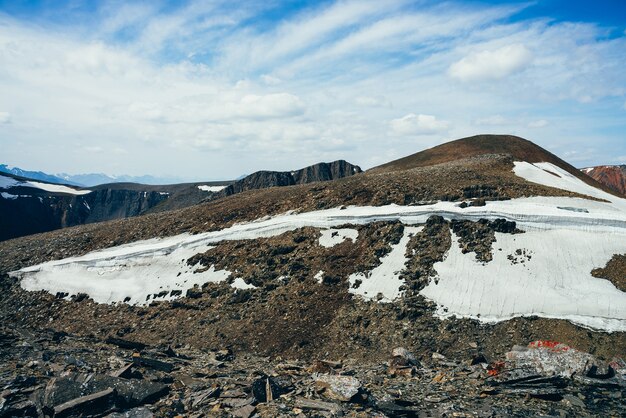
(361, 285)
(519, 149)
(94, 179)
(612, 176)
(37, 175)
(317, 172)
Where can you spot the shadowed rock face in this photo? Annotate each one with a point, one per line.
(612, 176)
(318, 172)
(42, 212)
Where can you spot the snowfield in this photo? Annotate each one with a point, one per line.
(8, 182)
(383, 282)
(550, 277)
(553, 280)
(332, 237)
(212, 189)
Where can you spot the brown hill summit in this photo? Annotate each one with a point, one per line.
(612, 176)
(519, 149)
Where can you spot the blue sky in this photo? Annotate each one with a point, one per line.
(214, 89)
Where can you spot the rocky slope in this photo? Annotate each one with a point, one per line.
(612, 176)
(459, 259)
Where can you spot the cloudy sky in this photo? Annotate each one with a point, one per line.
(215, 89)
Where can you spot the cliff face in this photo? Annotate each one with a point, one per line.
(318, 172)
(110, 204)
(27, 210)
(31, 214)
(612, 176)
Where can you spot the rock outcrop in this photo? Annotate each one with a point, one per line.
(612, 176)
(264, 179)
(42, 212)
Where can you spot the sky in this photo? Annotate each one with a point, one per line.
(210, 90)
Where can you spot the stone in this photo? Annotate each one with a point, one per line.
(342, 388)
(405, 354)
(92, 404)
(244, 412)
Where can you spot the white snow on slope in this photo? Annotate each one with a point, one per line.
(384, 279)
(551, 175)
(55, 188)
(9, 196)
(213, 189)
(8, 182)
(240, 283)
(332, 237)
(553, 282)
(133, 275)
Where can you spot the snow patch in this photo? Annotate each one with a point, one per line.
(332, 237)
(54, 188)
(135, 274)
(551, 175)
(385, 279)
(555, 282)
(212, 189)
(319, 276)
(8, 196)
(8, 182)
(240, 283)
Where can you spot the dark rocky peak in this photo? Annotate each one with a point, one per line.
(317, 172)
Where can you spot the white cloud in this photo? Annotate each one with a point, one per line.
(492, 64)
(270, 80)
(495, 120)
(413, 124)
(541, 123)
(322, 83)
(278, 105)
(5, 118)
(373, 101)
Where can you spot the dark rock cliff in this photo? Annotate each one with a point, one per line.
(26, 214)
(264, 179)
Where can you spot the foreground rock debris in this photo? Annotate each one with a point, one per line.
(59, 375)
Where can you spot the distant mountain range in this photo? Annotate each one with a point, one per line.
(86, 180)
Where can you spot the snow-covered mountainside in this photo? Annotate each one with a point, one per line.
(506, 246)
(545, 271)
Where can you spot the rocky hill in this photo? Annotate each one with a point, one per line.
(611, 176)
(376, 293)
(317, 172)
